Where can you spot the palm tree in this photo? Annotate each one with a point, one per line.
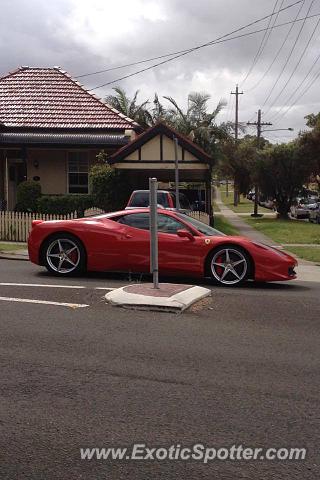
(129, 106)
(196, 122)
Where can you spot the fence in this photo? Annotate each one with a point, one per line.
(201, 216)
(15, 226)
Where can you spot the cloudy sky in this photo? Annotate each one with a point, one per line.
(84, 36)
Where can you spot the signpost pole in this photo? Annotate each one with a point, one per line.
(153, 187)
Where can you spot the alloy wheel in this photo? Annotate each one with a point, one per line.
(229, 266)
(63, 255)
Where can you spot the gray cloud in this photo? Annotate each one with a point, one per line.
(87, 36)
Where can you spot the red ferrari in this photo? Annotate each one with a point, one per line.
(119, 241)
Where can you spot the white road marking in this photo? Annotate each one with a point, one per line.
(39, 285)
(105, 288)
(52, 286)
(43, 302)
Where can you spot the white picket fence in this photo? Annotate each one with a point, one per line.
(15, 226)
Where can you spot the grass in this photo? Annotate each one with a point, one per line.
(286, 231)
(245, 205)
(220, 223)
(10, 247)
(307, 253)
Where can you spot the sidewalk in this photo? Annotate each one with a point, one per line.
(15, 253)
(307, 271)
(244, 228)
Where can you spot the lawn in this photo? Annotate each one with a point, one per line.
(245, 205)
(286, 231)
(308, 253)
(220, 223)
(9, 247)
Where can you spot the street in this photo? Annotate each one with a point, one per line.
(240, 367)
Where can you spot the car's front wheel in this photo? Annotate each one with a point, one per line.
(64, 255)
(229, 265)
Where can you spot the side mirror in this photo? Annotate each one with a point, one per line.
(185, 234)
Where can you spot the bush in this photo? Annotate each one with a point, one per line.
(109, 188)
(64, 204)
(28, 194)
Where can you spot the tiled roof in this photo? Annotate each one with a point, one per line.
(49, 98)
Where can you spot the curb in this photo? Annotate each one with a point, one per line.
(14, 257)
(175, 303)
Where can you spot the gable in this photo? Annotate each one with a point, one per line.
(157, 145)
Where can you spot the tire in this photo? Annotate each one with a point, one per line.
(64, 255)
(229, 265)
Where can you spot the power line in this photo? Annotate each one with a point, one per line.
(261, 46)
(189, 49)
(301, 95)
(211, 43)
(296, 66)
(279, 50)
(289, 56)
(297, 88)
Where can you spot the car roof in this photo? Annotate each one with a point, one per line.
(147, 191)
(135, 210)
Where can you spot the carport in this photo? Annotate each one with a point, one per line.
(152, 154)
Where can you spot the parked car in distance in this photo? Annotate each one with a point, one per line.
(301, 209)
(314, 215)
(166, 199)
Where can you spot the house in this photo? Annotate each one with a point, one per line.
(51, 129)
(153, 154)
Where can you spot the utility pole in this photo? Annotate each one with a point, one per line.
(258, 124)
(236, 132)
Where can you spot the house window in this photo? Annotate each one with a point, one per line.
(78, 172)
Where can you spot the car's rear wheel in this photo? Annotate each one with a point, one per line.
(230, 265)
(64, 255)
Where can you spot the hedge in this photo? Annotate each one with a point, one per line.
(64, 204)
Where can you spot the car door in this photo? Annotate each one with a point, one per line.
(135, 241)
(176, 254)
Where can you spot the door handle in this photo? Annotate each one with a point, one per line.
(127, 235)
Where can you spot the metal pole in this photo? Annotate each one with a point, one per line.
(256, 188)
(154, 269)
(176, 172)
(7, 184)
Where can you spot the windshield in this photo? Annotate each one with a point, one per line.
(141, 199)
(201, 227)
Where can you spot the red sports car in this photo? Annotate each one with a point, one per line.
(119, 241)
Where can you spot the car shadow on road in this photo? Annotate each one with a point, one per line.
(128, 277)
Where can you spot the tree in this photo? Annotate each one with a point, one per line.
(129, 106)
(309, 143)
(238, 162)
(196, 122)
(110, 188)
(281, 172)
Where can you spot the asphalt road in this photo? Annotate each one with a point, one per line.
(242, 367)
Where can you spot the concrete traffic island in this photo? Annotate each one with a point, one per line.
(168, 297)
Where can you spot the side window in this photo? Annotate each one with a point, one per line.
(168, 224)
(78, 167)
(136, 220)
